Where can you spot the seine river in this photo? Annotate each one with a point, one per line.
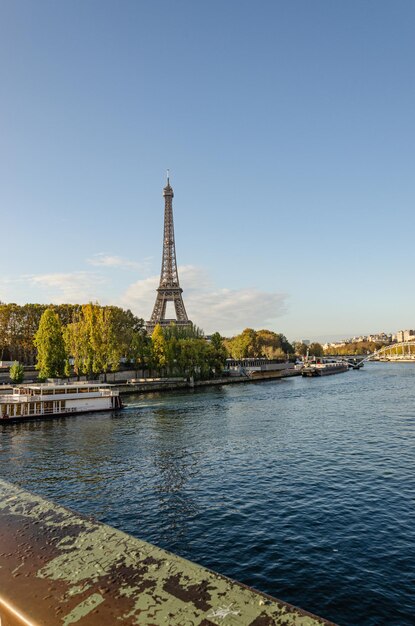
(303, 488)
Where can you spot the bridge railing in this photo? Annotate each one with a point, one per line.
(394, 348)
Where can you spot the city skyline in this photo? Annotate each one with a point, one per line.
(289, 133)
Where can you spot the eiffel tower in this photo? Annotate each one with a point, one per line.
(169, 289)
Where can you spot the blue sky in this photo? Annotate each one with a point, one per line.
(289, 130)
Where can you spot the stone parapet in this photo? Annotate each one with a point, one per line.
(58, 568)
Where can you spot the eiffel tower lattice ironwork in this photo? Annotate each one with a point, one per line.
(169, 289)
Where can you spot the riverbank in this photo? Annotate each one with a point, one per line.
(166, 385)
(144, 385)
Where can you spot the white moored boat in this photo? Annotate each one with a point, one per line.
(40, 401)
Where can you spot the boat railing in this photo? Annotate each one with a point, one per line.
(12, 399)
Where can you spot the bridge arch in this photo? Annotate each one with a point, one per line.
(401, 351)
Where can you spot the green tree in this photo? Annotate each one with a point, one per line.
(189, 356)
(172, 352)
(158, 348)
(243, 346)
(16, 373)
(15, 332)
(104, 351)
(256, 344)
(67, 369)
(98, 337)
(67, 312)
(124, 326)
(18, 325)
(315, 349)
(77, 345)
(218, 354)
(4, 331)
(300, 348)
(140, 349)
(50, 346)
(190, 331)
(273, 345)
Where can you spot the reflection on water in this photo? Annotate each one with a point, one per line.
(301, 488)
(176, 467)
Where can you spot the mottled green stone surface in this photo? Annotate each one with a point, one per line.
(59, 568)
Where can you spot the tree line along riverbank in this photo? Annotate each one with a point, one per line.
(92, 340)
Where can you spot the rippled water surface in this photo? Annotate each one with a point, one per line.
(303, 488)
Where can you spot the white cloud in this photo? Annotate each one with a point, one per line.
(227, 310)
(210, 307)
(76, 287)
(114, 261)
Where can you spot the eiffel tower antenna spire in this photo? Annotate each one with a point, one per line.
(169, 289)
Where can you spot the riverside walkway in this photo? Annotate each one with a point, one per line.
(58, 568)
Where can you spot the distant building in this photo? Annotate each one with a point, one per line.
(380, 338)
(306, 342)
(376, 338)
(405, 335)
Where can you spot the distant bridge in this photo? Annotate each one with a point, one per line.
(402, 351)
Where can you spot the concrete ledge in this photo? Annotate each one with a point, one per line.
(58, 568)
